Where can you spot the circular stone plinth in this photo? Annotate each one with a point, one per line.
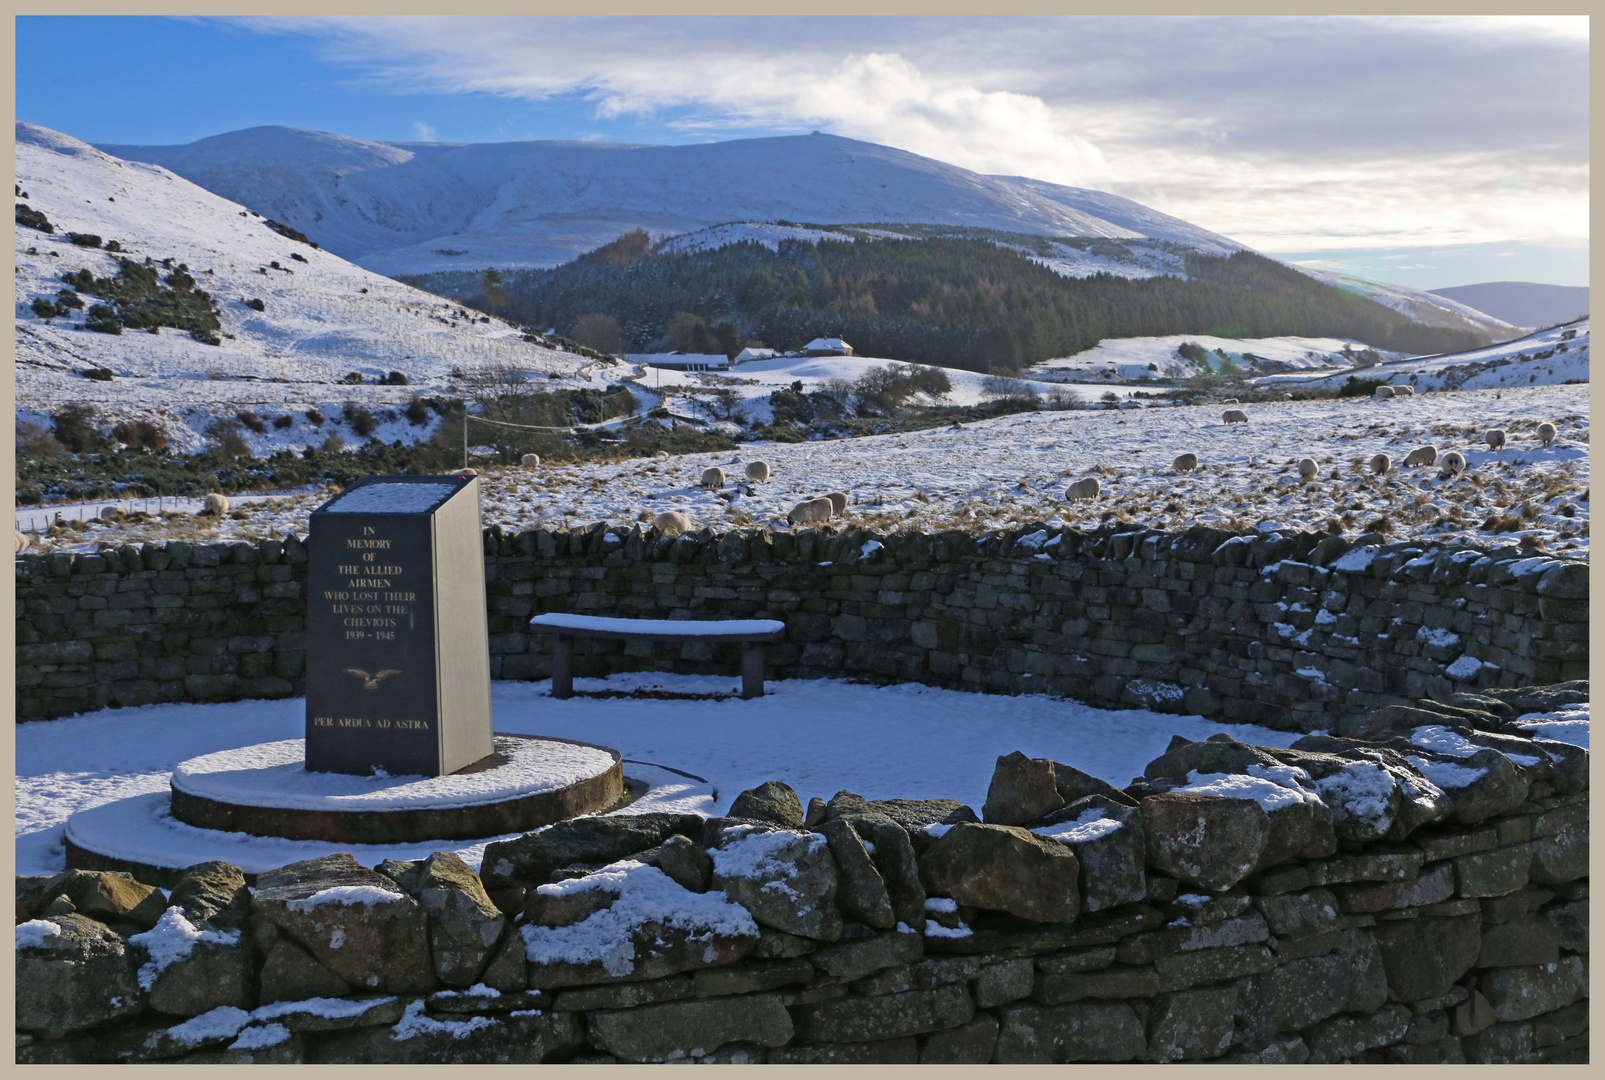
(266, 790)
(140, 836)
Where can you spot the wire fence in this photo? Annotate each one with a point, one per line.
(37, 520)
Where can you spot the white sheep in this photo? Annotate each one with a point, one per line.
(214, 505)
(672, 523)
(757, 470)
(1383, 393)
(713, 478)
(1422, 455)
(1234, 416)
(466, 472)
(1085, 488)
(530, 461)
(1230, 401)
(661, 454)
(22, 541)
(1404, 391)
(1546, 434)
(1185, 463)
(110, 513)
(1307, 468)
(1381, 464)
(810, 512)
(1287, 396)
(1495, 438)
(1454, 463)
(838, 503)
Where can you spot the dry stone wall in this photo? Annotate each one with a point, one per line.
(1285, 629)
(1418, 894)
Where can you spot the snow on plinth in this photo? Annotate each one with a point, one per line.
(142, 829)
(275, 775)
(393, 498)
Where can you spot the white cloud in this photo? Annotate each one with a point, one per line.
(1281, 132)
(425, 132)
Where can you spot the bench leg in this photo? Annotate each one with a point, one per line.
(752, 670)
(563, 666)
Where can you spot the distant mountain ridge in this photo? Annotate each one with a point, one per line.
(1522, 303)
(403, 209)
(407, 208)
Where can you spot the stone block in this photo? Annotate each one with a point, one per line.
(681, 1029)
(1343, 1038)
(888, 1016)
(1192, 1024)
(1088, 1031)
(1493, 873)
(1519, 943)
(972, 1044)
(1520, 993)
(1004, 982)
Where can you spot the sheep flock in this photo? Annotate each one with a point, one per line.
(1482, 466)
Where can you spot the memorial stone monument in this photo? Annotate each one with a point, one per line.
(398, 663)
(398, 747)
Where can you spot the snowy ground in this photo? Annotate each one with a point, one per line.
(923, 743)
(1014, 469)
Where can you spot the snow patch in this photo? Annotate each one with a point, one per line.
(32, 934)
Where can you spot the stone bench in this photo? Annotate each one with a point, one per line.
(751, 633)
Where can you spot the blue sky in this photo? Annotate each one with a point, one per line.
(1426, 151)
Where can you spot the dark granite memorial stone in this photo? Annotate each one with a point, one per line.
(398, 663)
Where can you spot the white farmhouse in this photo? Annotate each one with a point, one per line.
(827, 346)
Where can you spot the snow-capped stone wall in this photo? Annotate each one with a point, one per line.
(1417, 895)
(1287, 629)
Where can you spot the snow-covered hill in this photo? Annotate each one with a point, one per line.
(322, 318)
(413, 208)
(1418, 304)
(1545, 358)
(416, 207)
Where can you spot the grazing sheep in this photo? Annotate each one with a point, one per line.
(713, 478)
(1546, 433)
(1234, 416)
(1383, 393)
(661, 454)
(1287, 397)
(1404, 391)
(1454, 463)
(1422, 455)
(466, 472)
(22, 541)
(757, 470)
(530, 461)
(110, 513)
(1185, 462)
(215, 505)
(1495, 438)
(1307, 468)
(1381, 464)
(672, 523)
(838, 503)
(1230, 401)
(1086, 488)
(810, 512)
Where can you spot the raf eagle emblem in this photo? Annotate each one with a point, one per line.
(371, 682)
